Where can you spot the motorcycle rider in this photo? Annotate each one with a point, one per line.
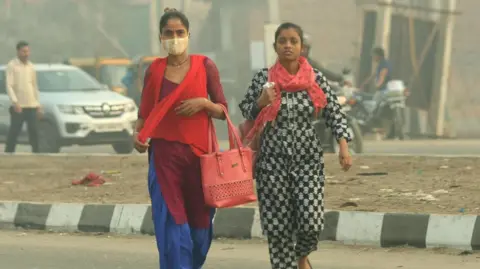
(382, 73)
(330, 75)
(382, 76)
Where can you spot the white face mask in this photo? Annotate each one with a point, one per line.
(175, 46)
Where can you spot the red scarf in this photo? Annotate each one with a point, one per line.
(303, 80)
(162, 121)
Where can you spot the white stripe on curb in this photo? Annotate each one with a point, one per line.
(64, 217)
(360, 228)
(128, 219)
(8, 212)
(456, 230)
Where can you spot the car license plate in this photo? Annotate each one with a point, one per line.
(106, 128)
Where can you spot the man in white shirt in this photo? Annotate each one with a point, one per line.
(21, 80)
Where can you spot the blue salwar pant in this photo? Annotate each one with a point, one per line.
(179, 245)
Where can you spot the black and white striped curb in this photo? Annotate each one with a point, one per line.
(362, 228)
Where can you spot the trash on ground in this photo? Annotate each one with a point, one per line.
(111, 172)
(386, 190)
(90, 180)
(373, 174)
(441, 191)
(349, 204)
(427, 197)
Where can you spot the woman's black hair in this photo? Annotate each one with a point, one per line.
(289, 25)
(171, 13)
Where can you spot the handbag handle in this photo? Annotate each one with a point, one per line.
(234, 138)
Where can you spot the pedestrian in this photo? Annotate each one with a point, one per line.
(22, 88)
(289, 165)
(176, 88)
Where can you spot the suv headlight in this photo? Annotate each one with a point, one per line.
(69, 109)
(130, 107)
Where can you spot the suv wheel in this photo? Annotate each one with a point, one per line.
(48, 138)
(123, 147)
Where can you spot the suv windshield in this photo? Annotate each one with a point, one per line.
(112, 75)
(66, 81)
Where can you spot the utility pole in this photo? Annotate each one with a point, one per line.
(185, 5)
(273, 11)
(8, 8)
(442, 71)
(384, 20)
(153, 22)
(269, 32)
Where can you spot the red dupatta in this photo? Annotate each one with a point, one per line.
(161, 120)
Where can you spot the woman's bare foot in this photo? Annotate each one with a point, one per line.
(303, 263)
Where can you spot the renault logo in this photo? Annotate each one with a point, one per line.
(106, 108)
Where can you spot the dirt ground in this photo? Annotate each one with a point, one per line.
(408, 184)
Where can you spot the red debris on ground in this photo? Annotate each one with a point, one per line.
(90, 180)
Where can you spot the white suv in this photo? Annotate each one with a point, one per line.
(78, 111)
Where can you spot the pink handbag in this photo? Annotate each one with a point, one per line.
(227, 177)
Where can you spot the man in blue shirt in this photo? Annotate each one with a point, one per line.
(382, 76)
(383, 69)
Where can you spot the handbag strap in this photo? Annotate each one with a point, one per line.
(233, 137)
(212, 137)
(232, 131)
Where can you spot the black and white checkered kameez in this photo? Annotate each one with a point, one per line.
(289, 170)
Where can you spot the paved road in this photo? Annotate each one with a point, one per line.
(54, 251)
(417, 147)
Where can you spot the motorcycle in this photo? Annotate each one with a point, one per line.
(388, 114)
(330, 144)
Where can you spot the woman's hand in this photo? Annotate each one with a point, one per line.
(344, 156)
(267, 97)
(139, 146)
(191, 107)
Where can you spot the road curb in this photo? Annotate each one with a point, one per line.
(356, 228)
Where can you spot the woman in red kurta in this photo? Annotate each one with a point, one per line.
(172, 125)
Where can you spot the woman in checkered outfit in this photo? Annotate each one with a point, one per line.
(289, 166)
